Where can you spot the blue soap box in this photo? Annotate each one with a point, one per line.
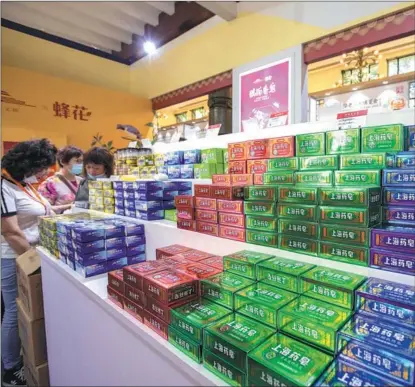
(169, 205)
(170, 185)
(399, 196)
(192, 156)
(148, 195)
(174, 158)
(150, 215)
(138, 258)
(89, 247)
(398, 177)
(187, 171)
(91, 259)
(173, 171)
(143, 205)
(136, 249)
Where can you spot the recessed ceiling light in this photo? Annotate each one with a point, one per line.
(327, 94)
(355, 88)
(385, 82)
(149, 47)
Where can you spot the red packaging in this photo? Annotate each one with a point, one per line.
(257, 149)
(178, 260)
(115, 297)
(169, 286)
(157, 325)
(133, 275)
(161, 310)
(189, 225)
(242, 179)
(258, 179)
(221, 180)
(227, 193)
(237, 234)
(198, 271)
(185, 201)
(202, 190)
(207, 228)
(232, 220)
(237, 151)
(206, 203)
(207, 216)
(195, 255)
(257, 166)
(169, 251)
(185, 213)
(231, 206)
(214, 261)
(236, 167)
(135, 310)
(134, 295)
(281, 147)
(115, 280)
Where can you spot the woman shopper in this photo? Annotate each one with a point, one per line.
(21, 205)
(61, 188)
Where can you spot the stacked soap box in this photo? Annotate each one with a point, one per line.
(173, 188)
(101, 195)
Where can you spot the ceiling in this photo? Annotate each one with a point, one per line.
(113, 30)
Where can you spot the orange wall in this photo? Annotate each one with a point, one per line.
(108, 108)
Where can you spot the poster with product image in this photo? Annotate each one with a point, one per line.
(265, 96)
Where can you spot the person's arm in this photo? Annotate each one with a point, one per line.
(61, 208)
(13, 235)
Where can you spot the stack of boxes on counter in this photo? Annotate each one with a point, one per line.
(270, 321)
(138, 162)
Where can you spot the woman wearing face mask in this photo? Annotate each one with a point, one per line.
(21, 205)
(98, 163)
(61, 188)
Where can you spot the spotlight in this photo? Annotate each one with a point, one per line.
(149, 47)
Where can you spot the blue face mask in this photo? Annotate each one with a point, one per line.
(90, 177)
(77, 169)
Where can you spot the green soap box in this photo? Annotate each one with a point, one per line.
(363, 217)
(260, 208)
(233, 337)
(262, 302)
(283, 163)
(313, 322)
(262, 238)
(205, 171)
(282, 273)
(365, 161)
(170, 215)
(297, 211)
(333, 286)
(386, 138)
(299, 228)
(336, 233)
(314, 178)
(244, 262)
(260, 193)
(343, 141)
(191, 319)
(212, 156)
(221, 288)
(357, 177)
(302, 195)
(183, 343)
(318, 163)
(282, 361)
(355, 255)
(356, 196)
(261, 223)
(279, 177)
(298, 244)
(310, 144)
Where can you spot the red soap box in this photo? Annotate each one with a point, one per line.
(257, 149)
(162, 311)
(194, 255)
(258, 179)
(115, 297)
(133, 275)
(170, 250)
(134, 295)
(242, 179)
(257, 166)
(185, 213)
(178, 261)
(227, 193)
(236, 167)
(214, 261)
(207, 228)
(232, 220)
(237, 151)
(237, 234)
(184, 224)
(231, 206)
(198, 271)
(207, 216)
(157, 325)
(185, 201)
(202, 190)
(206, 203)
(221, 180)
(135, 310)
(281, 147)
(115, 280)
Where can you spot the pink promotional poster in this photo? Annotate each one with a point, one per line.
(265, 96)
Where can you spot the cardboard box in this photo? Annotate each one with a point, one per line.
(356, 236)
(222, 180)
(343, 141)
(36, 376)
(203, 190)
(319, 163)
(305, 212)
(242, 179)
(133, 275)
(259, 179)
(232, 220)
(257, 166)
(281, 147)
(314, 178)
(261, 223)
(283, 163)
(363, 161)
(194, 255)
(115, 297)
(357, 177)
(29, 283)
(185, 213)
(298, 244)
(207, 228)
(237, 167)
(386, 138)
(135, 295)
(244, 262)
(206, 203)
(398, 196)
(257, 149)
(392, 261)
(398, 178)
(135, 310)
(311, 144)
(262, 238)
(261, 193)
(212, 156)
(237, 151)
(169, 251)
(345, 196)
(116, 280)
(184, 224)
(279, 177)
(205, 171)
(260, 208)
(206, 216)
(160, 310)
(299, 228)
(184, 344)
(352, 216)
(227, 193)
(356, 255)
(231, 206)
(214, 261)
(303, 195)
(155, 324)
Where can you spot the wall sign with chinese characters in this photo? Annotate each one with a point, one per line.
(67, 111)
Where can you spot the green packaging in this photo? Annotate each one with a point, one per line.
(356, 255)
(170, 215)
(283, 163)
(191, 319)
(244, 262)
(343, 141)
(310, 144)
(221, 288)
(386, 138)
(298, 245)
(363, 161)
(314, 178)
(282, 273)
(363, 217)
(334, 286)
(299, 228)
(279, 177)
(205, 171)
(297, 211)
(225, 156)
(338, 233)
(317, 163)
(262, 302)
(312, 321)
(282, 361)
(183, 343)
(259, 208)
(223, 370)
(358, 177)
(212, 156)
(261, 193)
(261, 223)
(261, 238)
(356, 196)
(303, 195)
(232, 337)
(226, 168)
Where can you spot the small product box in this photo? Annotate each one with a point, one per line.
(237, 167)
(184, 201)
(282, 164)
(234, 233)
(305, 212)
(144, 205)
(227, 193)
(194, 255)
(133, 275)
(237, 151)
(116, 280)
(160, 310)
(279, 177)
(135, 310)
(344, 196)
(134, 295)
(205, 171)
(386, 138)
(168, 205)
(261, 193)
(361, 217)
(404, 160)
(314, 178)
(231, 220)
(115, 297)
(394, 238)
(185, 213)
(343, 141)
(222, 287)
(198, 271)
(192, 156)
(274, 360)
(298, 244)
(174, 158)
(171, 215)
(399, 215)
(261, 223)
(313, 322)
(212, 156)
(409, 132)
(298, 227)
(311, 144)
(182, 342)
(260, 208)
(155, 324)
(318, 163)
(262, 238)
(203, 190)
(282, 273)
(187, 171)
(184, 224)
(398, 196)
(303, 195)
(233, 337)
(222, 180)
(355, 255)
(150, 215)
(257, 166)
(335, 233)
(262, 302)
(333, 286)
(206, 216)
(207, 228)
(244, 262)
(242, 179)
(230, 206)
(206, 204)
(214, 261)
(281, 147)
(159, 159)
(363, 161)
(398, 178)
(257, 149)
(169, 251)
(392, 261)
(173, 171)
(357, 177)
(147, 195)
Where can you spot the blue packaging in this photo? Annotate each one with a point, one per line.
(134, 240)
(170, 185)
(70, 262)
(118, 194)
(169, 195)
(392, 261)
(186, 192)
(134, 250)
(129, 194)
(67, 226)
(62, 257)
(119, 203)
(192, 156)
(142, 205)
(184, 185)
(92, 270)
(117, 185)
(405, 160)
(119, 211)
(148, 185)
(133, 228)
(116, 253)
(91, 259)
(174, 158)
(398, 177)
(168, 205)
(148, 195)
(130, 213)
(129, 205)
(116, 264)
(114, 230)
(187, 171)
(409, 137)
(173, 171)
(399, 196)
(150, 215)
(162, 170)
(136, 259)
(64, 239)
(87, 233)
(115, 243)
(89, 247)
(128, 185)
(399, 215)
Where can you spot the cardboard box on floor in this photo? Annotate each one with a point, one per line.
(36, 375)
(33, 336)
(29, 281)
